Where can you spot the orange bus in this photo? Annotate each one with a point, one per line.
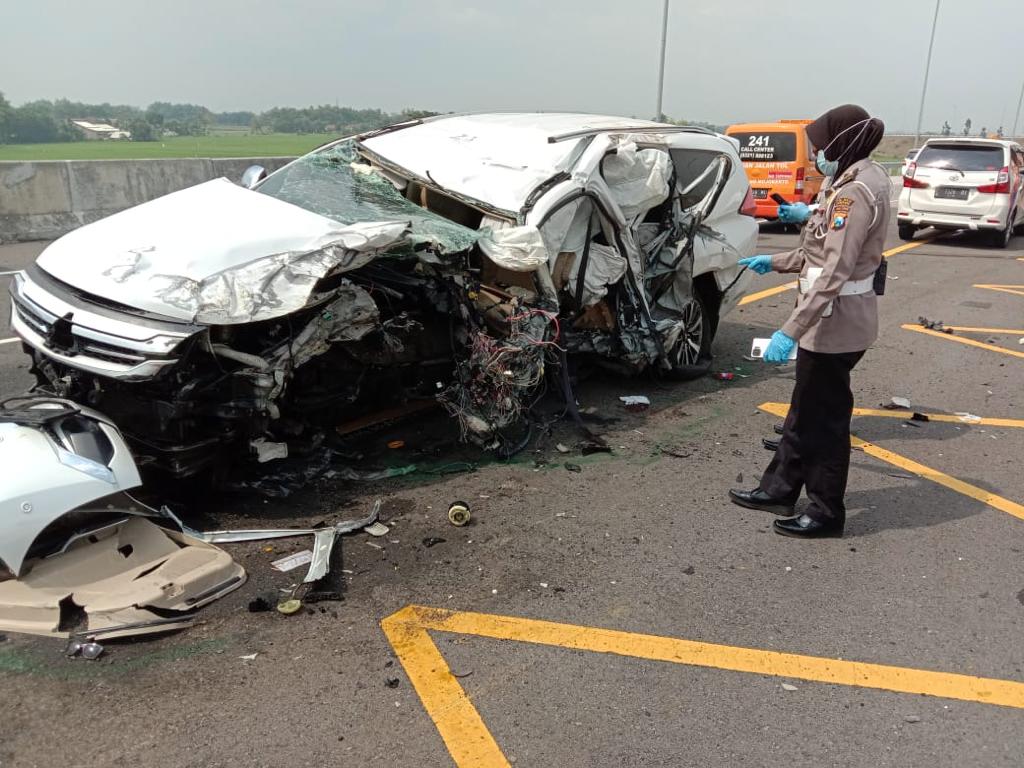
(777, 158)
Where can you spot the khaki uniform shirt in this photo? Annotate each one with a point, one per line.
(845, 238)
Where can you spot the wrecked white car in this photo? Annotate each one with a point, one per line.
(454, 258)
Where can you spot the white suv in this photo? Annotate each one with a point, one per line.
(964, 183)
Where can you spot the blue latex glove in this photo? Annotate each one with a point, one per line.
(760, 264)
(779, 349)
(797, 213)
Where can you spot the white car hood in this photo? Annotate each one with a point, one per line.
(213, 253)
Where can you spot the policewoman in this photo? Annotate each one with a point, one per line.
(834, 322)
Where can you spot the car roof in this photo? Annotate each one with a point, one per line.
(790, 126)
(498, 158)
(970, 140)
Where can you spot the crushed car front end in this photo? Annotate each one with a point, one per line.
(449, 261)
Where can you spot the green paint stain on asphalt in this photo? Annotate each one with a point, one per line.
(24, 661)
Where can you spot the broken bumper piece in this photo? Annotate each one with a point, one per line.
(132, 579)
(84, 563)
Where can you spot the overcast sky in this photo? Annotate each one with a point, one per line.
(728, 60)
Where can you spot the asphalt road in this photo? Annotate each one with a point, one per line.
(643, 542)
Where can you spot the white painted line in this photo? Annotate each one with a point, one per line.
(7, 274)
(9, 341)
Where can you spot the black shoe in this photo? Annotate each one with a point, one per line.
(770, 445)
(779, 429)
(758, 499)
(806, 527)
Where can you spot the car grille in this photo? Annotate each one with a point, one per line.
(96, 349)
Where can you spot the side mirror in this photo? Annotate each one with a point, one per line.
(253, 175)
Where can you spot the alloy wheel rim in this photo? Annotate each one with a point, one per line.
(691, 335)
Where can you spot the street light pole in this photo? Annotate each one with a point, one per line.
(1017, 118)
(658, 115)
(927, 68)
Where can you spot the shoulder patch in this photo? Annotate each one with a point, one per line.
(842, 206)
(838, 223)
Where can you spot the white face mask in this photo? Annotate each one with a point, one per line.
(827, 167)
(833, 165)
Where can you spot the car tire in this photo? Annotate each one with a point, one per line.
(1000, 238)
(907, 231)
(690, 357)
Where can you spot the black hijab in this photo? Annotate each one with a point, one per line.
(835, 133)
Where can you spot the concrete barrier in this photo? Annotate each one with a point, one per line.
(46, 199)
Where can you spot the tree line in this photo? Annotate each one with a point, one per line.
(43, 121)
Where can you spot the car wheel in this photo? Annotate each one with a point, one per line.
(906, 231)
(688, 340)
(1000, 238)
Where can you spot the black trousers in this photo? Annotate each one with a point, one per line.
(814, 452)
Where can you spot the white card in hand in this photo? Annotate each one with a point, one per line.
(758, 347)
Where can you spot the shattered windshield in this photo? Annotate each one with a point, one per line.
(335, 183)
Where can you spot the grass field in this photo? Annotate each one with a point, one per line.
(233, 144)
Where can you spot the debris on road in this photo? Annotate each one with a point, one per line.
(293, 561)
(85, 560)
(259, 605)
(377, 529)
(635, 403)
(573, 467)
(968, 418)
(433, 541)
(788, 687)
(897, 403)
(934, 325)
(915, 416)
(724, 376)
(459, 513)
(89, 649)
(258, 534)
(561, 448)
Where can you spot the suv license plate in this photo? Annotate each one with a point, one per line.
(952, 193)
(760, 194)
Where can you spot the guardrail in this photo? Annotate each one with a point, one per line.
(894, 168)
(42, 200)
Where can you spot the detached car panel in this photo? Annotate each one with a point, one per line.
(466, 250)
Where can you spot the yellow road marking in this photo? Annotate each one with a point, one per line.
(1016, 290)
(969, 329)
(458, 722)
(907, 246)
(972, 491)
(752, 297)
(781, 409)
(471, 744)
(962, 340)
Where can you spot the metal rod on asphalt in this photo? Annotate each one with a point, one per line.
(661, 68)
(927, 68)
(1016, 119)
